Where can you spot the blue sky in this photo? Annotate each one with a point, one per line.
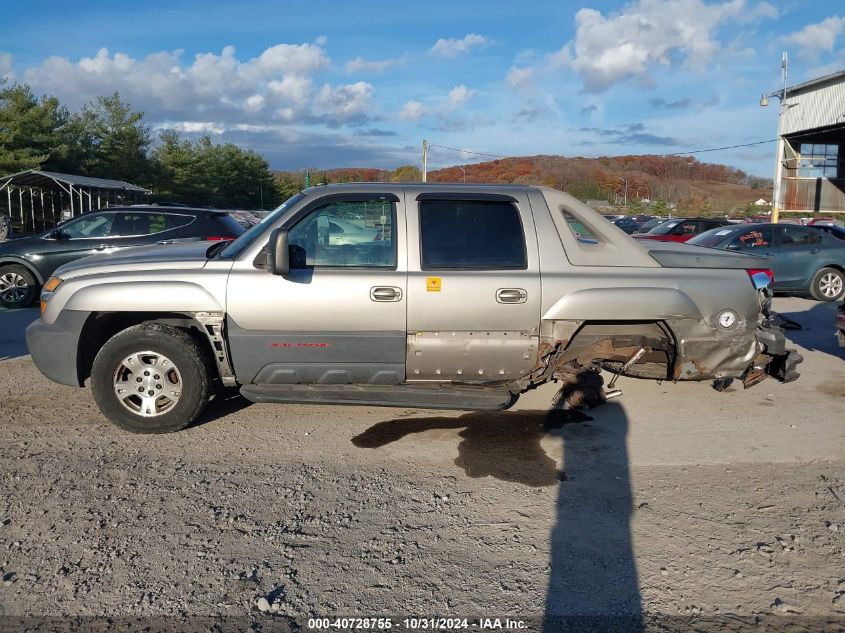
(331, 84)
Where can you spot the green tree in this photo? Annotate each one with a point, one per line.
(216, 175)
(119, 140)
(586, 190)
(660, 207)
(288, 183)
(406, 173)
(31, 130)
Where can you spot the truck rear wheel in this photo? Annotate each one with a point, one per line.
(151, 378)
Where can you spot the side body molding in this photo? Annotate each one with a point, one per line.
(152, 296)
(627, 304)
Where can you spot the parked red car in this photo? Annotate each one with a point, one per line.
(681, 229)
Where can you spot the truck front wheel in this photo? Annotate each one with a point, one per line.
(151, 378)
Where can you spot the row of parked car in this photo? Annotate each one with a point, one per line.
(26, 262)
(807, 259)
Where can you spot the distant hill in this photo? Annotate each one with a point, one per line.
(693, 186)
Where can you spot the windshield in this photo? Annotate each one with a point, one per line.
(244, 241)
(665, 227)
(712, 237)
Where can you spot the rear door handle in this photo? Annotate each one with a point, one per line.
(511, 295)
(385, 293)
(101, 247)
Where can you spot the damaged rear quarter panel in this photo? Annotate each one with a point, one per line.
(629, 287)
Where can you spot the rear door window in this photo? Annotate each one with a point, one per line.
(753, 238)
(173, 221)
(136, 223)
(795, 236)
(471, 234)
(229, 225)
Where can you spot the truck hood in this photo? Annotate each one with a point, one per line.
(186, 256)
(679, 255)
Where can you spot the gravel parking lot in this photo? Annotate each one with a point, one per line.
(674, 500)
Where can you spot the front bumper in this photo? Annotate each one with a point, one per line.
(54, 347)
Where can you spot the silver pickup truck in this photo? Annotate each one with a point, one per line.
(412, 295)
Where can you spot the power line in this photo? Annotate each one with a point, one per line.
(694, 151)
(717, 149)
(466, 151)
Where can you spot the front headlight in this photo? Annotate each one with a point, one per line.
(47, 291)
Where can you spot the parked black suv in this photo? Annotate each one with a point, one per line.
(27, 262)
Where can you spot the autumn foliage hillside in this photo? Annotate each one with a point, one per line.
(684, 181)
(691, 185)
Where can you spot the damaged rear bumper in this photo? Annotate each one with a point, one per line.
(774, 359)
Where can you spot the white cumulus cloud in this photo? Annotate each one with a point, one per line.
(453, 47)
(519, 77)
(818, 38)
(345, 103)
(609, 49)
(459, 95)
(279, 84)
(411, 111)
(6, 71)
(359, 65)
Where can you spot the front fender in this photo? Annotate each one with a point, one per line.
(131, 296)
(624, 304)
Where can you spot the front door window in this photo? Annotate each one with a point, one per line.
(354, 234)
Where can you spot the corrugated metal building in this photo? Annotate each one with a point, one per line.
(812, 147)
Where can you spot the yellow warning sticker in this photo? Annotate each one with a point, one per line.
(432, 284)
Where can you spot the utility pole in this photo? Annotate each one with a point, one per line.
(425, 160)
(779, 152)
(776, 194)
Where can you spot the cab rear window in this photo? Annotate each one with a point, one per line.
(471, 234)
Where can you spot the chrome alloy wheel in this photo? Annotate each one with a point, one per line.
(13, 287)
(147, 384)
(830, 285)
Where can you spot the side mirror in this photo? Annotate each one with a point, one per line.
(56, 234)
(278, 253)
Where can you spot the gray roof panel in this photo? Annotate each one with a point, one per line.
(37, 178)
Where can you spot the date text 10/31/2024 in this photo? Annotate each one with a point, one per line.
(416, 623)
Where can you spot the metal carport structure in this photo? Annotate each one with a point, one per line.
(57, 193)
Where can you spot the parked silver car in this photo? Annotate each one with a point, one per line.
(444, 296)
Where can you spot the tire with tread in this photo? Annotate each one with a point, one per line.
(31, 285)
(181, 349)
(825, 274)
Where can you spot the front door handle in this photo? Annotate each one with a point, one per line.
(385, 293)
(101, 247)
(511, 295)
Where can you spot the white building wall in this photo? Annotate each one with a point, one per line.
(815, 107)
